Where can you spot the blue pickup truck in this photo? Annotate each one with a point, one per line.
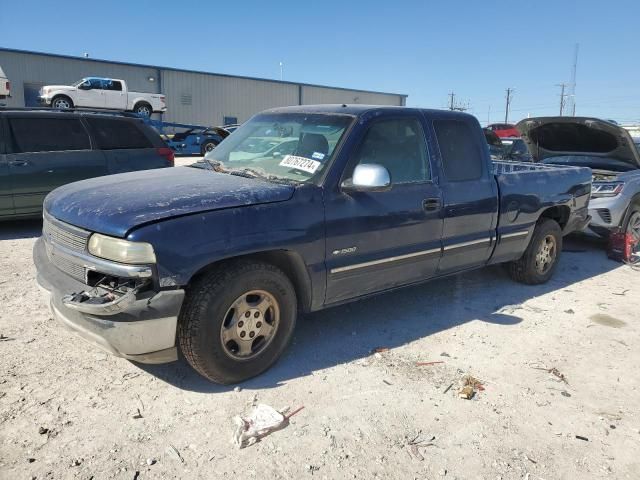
(300, 209)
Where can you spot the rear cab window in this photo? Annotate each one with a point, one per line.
(117, 134)
(462, 157)
(113, 85)
(33, 134)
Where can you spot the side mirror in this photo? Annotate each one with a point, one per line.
(84, 86)
(368, 177)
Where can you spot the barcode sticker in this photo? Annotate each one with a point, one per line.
(300, 163)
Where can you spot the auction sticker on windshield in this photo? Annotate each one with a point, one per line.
(300, 163)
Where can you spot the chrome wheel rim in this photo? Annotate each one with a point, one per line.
(250, 325)
(209, 147)
(61, 103)
(144, 111)
(546, 255)
(633, 227)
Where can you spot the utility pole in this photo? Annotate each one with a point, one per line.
(489, 116)
(572, 85)
(562, 96)
(506, 110)
(457, 106)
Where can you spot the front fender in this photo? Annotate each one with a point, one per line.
(67, 93)
(185, 245)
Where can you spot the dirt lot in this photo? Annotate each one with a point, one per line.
(68, 410)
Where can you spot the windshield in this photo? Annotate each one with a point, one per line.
(287, 146)
(598, 163)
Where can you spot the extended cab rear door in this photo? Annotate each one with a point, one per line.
(380, 240)
(46, 152)
(115, 96)
(469, 192)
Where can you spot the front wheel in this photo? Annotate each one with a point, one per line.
(237, 321)
(632, 225)
(62, 103)
(541, 256)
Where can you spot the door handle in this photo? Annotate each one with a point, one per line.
(18, 163)
(431, 204)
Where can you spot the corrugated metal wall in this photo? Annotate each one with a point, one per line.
(314, 95)
(203, 98)
(192, 97)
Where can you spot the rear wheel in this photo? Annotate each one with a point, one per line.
(539, 260)
(208, 146)
(237, 321)
(143, 109)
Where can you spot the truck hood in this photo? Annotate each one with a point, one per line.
(116, 204)
(58, 87)
(557, 136)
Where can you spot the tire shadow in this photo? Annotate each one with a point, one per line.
(350, 332)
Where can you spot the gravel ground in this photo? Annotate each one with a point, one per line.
(67, 410)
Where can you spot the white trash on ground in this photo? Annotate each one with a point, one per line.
(262, 420)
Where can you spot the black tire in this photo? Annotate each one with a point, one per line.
(61, 102)
(207, 146)
(143, 108)
(527, 270)
(210, 299)
(631, 223)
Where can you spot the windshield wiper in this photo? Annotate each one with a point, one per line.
(247, 173)
(215, 165)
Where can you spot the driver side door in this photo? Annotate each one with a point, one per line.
(384, 239)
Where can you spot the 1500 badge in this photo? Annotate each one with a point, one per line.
(344, 251)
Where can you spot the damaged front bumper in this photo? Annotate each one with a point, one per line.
(136, 323)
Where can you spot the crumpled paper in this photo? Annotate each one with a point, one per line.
(262, 420)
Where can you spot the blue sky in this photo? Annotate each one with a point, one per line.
(421, 48)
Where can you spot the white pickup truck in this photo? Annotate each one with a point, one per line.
(107, 93)
(5, 89)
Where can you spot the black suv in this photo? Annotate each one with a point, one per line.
(42, 150)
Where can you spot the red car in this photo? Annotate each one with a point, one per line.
(504, 130)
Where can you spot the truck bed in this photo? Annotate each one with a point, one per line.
(526, 189)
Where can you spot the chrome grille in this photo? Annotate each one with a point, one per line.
(72, 269)
(58, 237)
(64, 235)
(605, 215)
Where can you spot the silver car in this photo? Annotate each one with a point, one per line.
(608, 150)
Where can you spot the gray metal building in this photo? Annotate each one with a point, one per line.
(192, 97)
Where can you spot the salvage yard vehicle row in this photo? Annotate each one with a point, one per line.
(42, 150)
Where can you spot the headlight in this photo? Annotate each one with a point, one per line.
(610, 189)
(120, 250)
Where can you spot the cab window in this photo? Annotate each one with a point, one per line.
(399, 146)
